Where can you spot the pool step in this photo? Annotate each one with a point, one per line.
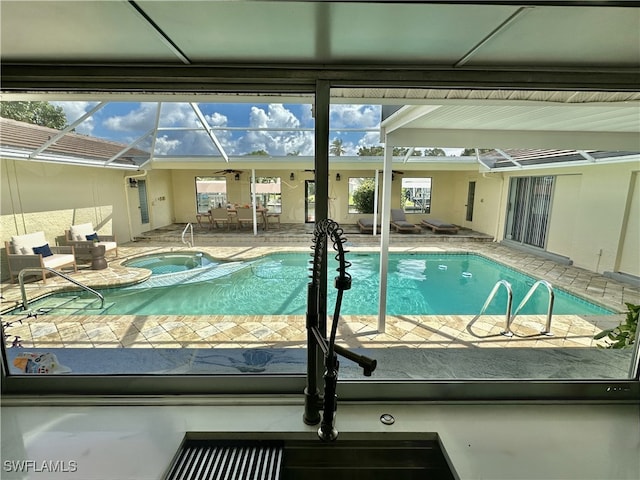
(71, 306)
(191, 276)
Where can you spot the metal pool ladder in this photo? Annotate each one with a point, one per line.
(508, 317)
(547, 328)
(495, 289)
(25, 302)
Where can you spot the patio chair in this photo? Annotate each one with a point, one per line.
(33, 251)
(244, 216)
(400, 223)
(83, 238)
(271, 219)
(438, 225)
(220, 217)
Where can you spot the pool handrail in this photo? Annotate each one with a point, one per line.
(187, 227)
(506, 332)
(25, 302)
(547, 328)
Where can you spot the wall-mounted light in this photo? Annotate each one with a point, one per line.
(236, 177)
(133, 183)
(292, 177)
(337, 177)
(393, 177)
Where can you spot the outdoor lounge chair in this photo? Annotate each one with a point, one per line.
(399, 222)
(366, 225)
(439, 226)
(83, 238)
(33, 251)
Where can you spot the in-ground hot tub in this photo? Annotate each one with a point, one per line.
(172, 262)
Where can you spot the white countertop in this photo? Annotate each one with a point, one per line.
(497, 441)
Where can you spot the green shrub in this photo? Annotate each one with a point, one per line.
(624, 335)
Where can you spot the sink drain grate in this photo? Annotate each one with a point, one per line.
(227, 460)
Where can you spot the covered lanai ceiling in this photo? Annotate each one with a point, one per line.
(44, 43)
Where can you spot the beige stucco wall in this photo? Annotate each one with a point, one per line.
(588, 214)
(51, 197)
(629, 257)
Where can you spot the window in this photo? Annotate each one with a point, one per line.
(220, 344)
(361, 194)
(416, 195)
(211, 192)
(269, 193)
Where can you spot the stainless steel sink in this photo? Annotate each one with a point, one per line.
(285, 456)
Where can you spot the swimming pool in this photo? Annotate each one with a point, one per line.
(418, 284)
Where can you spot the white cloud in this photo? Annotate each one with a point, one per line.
(74, 110)
(141, 119)
(277, 117)
(277, 143)
(354, 116)
(164, 146)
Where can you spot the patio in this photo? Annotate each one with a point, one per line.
(405, 333)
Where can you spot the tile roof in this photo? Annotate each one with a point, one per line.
(29, 137)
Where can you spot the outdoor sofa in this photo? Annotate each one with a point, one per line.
(32, 250)
(83, 238)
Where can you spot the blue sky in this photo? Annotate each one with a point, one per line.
(279, 129)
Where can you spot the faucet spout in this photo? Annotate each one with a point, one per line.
(316, 340)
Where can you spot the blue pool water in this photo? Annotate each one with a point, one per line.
(419, 284)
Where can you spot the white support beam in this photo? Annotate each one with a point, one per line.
(66, 130)
(129, 147)
(209, 131)
(384, 237)
(508, 157)
(563, 140)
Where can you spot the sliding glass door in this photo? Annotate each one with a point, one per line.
(529, 209)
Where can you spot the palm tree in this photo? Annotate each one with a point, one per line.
(336, 147)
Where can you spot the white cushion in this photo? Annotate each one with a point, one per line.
(58, 260)
(23, 244)
(80, 232)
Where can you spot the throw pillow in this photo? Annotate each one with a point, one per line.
(93, 237)
(44, 250)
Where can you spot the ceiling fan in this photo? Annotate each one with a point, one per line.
(228, 170)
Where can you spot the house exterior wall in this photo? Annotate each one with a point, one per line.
(629, 261)
(591, 204)
(593, 220)
(51, 197)
(160, 197)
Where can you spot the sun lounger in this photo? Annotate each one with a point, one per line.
(400, 223)
(439, 226)
(366, 225)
